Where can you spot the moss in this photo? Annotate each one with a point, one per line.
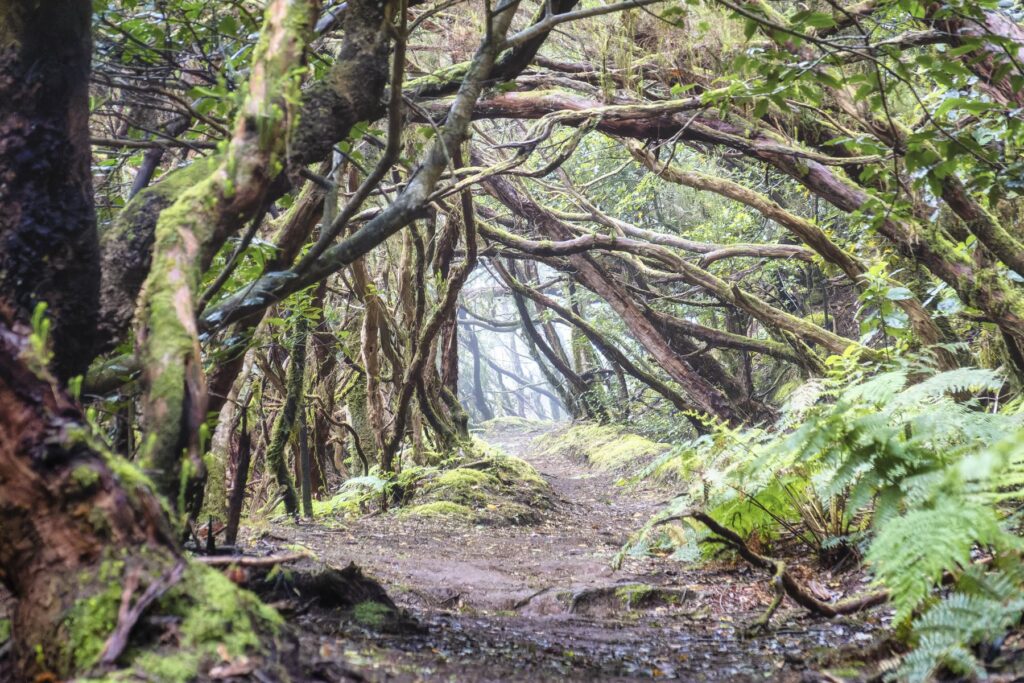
(85, 477)
(372, 614)
(816, 318)
(511, 422)
(447, 74)
(343, 505)
(90, 620)
(605, 447)
(217, 619)
(634, 594)
(441, 509)
(214, 618)
(464, 486)
(5, 630)
(216, 496)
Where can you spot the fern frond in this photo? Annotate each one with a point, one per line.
(911, 552)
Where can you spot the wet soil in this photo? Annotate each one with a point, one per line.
(542, 602)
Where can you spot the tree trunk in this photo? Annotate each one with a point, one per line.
(483, 408)
(84, 534)
(286, 419)
(48, 245)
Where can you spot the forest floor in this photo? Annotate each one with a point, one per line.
(541, 602)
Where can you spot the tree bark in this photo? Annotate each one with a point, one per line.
(48, 244)
(282, 432)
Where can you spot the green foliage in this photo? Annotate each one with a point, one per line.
(914, 466)
(983, 607)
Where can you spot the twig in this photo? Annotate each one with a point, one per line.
(129, 614)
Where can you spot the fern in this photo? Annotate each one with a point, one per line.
(911, 552)
(945, 633)
(920, 454)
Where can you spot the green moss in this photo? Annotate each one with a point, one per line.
(372, 614)
(85, 477)
(816, 318)
(218, 611)
(213, 617)
(442, 509)
(464, 486)
(216, 618)
(5, 630)
(512, 422)
(342, 505)
(90, 620)
(634, 594)
(455, 72)
(605, 447)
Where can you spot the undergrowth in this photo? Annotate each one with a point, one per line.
(917, 472)
(479, 484)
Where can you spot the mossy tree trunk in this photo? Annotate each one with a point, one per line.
(282, 431)
(188, 234)
(86, 542)
(84, 535)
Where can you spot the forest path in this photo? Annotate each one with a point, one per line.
(496, 601)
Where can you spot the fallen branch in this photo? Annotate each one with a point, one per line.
(245, 561)
(781, 577)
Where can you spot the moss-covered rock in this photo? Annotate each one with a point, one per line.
(629, 597)
(512, 423)
(478, 484)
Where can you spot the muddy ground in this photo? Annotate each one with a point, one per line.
(542, 602)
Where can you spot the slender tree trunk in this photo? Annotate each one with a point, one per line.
(240, 480)
(483, 408)
(305, 464)
(282, 432)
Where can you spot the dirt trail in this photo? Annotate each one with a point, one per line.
(497, 602)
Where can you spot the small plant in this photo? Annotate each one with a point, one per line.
(40, 353)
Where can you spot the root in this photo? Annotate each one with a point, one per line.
(782, 579)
